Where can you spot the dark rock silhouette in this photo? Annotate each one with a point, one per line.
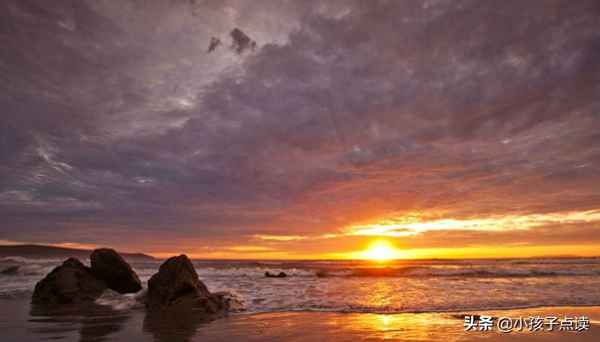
(321, 274)
(176, 285)
(118, 275)
(70, 283)
(278, 275)
(12, 270)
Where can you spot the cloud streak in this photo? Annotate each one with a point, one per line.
(411, 225)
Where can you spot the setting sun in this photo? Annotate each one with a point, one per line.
(380, 251)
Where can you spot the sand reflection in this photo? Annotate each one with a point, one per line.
(414, 327)
(92, 322)
(174, 324)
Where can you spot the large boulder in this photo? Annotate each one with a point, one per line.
(118, 275)
(70, 283)
(176, 285)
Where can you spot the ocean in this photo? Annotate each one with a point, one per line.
(364, 287)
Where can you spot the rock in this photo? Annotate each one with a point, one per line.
(279, 275)
(176, 278)
(118, 275)
(177, 285)
(232, 302)
(12, 270)
(322, 273)
(69, 283)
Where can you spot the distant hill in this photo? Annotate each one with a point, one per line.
(43, 252)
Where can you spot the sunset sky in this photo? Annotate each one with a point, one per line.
(442, 128)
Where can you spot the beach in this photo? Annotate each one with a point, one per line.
(18, 325)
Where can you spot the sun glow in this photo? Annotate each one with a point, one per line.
(380, 251)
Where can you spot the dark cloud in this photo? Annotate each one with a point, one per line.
(115, 119)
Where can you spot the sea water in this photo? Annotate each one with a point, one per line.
(364, 286)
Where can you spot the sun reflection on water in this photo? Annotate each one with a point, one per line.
(415, 327)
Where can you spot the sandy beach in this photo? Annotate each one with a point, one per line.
(102, 324)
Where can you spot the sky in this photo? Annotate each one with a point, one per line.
(445, 128)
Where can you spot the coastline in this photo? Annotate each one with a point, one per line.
(132, 325)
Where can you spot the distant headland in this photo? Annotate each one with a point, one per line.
(42, 252)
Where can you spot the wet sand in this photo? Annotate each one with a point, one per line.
(104, 324)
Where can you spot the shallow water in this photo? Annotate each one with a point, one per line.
(96, 323)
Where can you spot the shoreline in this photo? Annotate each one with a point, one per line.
(451, 311)
(133, 325)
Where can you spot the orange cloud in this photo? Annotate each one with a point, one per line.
(413, 224)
